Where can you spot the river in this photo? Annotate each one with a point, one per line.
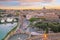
(5, 28)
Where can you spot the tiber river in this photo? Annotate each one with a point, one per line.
(5, 28)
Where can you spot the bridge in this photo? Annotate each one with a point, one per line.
(9, 17)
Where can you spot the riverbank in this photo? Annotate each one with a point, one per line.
(10, 33)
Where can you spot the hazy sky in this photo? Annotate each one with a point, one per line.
(23, 3)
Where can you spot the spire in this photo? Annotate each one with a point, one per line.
(44, 8)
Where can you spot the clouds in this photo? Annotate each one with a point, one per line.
(28, 3)
(8, 0)
(30, 0)
(12, 3)
(36, 0)
(4, 0)
(24, 3)
(16, 3)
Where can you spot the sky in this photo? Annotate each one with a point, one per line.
(26, 4)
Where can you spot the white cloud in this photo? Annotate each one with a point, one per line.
(30, 0)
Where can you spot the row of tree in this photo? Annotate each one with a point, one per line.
(52, 26)
(46, 26)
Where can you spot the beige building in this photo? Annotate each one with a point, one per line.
(51, 16)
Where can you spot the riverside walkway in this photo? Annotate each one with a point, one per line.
(52, 36)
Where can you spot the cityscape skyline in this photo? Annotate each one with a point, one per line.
(29, 4)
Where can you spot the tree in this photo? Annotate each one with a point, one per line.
(42, 25)
(46, 26)
(53, 26)
(54, 29)
(33, 19)
(17, 13)
(58, 27)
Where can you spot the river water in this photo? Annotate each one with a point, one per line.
(5, 28)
